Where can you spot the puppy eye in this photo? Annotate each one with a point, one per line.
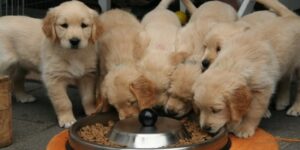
(131, 103)
(213, 110)
(204, 47)
(218, 48)
(83, 25)
(64, 25)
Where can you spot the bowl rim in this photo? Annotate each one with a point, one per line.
(75, 139)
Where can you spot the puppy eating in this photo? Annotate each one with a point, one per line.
(122, 45)
(69, 55)
(235, 91)
(189, 48)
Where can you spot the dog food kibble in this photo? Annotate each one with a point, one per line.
(98, 133)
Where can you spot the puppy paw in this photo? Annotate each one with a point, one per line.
(25, 98)
(281, 104)
(294, 111)
(66, 121)
(267, 114)
(244, 132)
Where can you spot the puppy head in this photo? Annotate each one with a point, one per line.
(116, 90)
(180, 91)
(220, 100)
(72, 25)
(215, 38)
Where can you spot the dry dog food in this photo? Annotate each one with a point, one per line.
(98, 133)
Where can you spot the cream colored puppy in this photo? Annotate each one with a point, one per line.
(221, 32)
(20, 44)
(236, 89)
(69, 55)
(189, 47)
(121, 46)
(161, 26)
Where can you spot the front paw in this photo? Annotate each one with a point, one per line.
(25, 98)
(294, 111)
(267, 114)
(282, 104)
(243, 132)
(66, 121)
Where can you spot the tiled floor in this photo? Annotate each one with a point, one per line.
(34, 124)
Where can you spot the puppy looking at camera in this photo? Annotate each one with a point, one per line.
(122, 45)
(189, 48)
(236, 89)
(69, 55)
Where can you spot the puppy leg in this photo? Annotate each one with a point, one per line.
(283, 97)
(258, 107)
(86, 87)
(62, 105)
(19, 89)
(295, 109)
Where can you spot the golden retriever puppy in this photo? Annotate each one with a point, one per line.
(189, 45)
(221, 32)
(236, 89)
(122, 44)
(69, 55)
(20, 46)
(161, 26)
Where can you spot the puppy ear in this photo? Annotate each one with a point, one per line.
(144, 91)
(102, 104)
(141, 43)
(239, 103)
(97, 28)
(178, 57)
(49, 25)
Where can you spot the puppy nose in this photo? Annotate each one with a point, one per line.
(206, 128)
(171, 112)
(74, 41)
(205, 63)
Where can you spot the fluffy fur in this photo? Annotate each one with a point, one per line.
(236, 89)
(221, 32)
(189, 49)
(69, 56)
(161, 26)
(20, 46)
(121, 46)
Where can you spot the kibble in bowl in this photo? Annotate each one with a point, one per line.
(93, 132)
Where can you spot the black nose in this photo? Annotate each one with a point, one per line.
(171, 113)
(74, 41)
(206, 128)
(205, 63)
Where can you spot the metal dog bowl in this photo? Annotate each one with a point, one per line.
(144, 133)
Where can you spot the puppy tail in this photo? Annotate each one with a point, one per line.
(190, 6)
(277, 7)
(164, 4)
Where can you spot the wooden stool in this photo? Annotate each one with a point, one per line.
(5, 112)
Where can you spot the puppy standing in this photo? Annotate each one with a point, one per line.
(122, 44)
(69, 56)
(189, 47)
(236, 89)
(20, 46)
(161, 26)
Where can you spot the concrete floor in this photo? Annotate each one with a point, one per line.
(34, 124)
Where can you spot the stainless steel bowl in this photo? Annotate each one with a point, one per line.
(218, 142)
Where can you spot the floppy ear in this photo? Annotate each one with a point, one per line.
(144, 91)
(49, 25)
(97, 28)
(239, 103)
